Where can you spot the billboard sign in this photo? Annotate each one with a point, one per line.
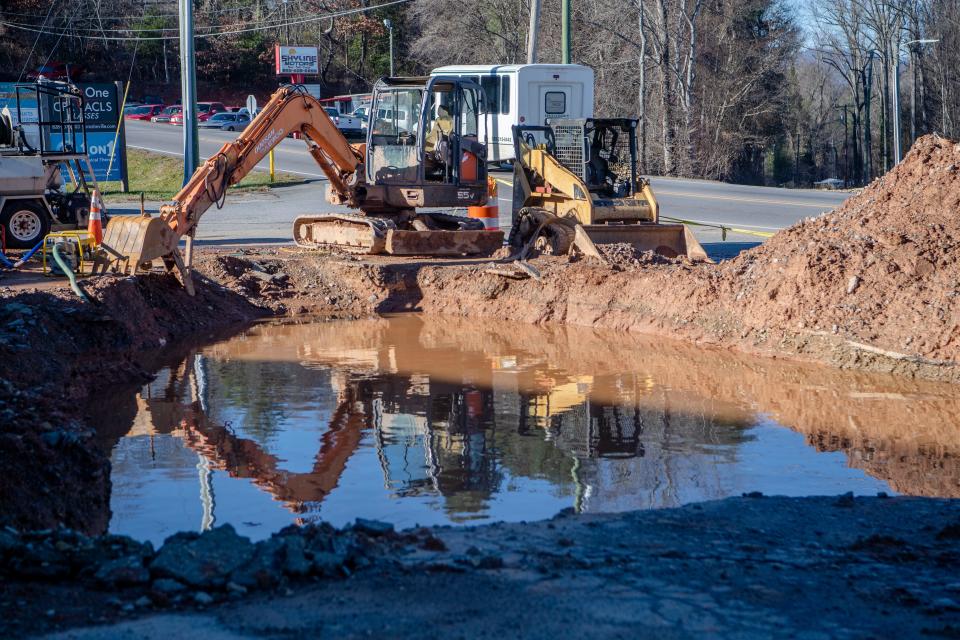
(101, 114)
(296, 60)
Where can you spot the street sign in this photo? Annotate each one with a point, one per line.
(296, 60)
(252, 105)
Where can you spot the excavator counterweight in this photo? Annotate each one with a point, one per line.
(422, 151)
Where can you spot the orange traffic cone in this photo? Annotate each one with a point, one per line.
(95, 222)
(489, 213)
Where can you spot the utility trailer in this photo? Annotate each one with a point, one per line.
(42, 141)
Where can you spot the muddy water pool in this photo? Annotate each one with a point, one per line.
(425, 421)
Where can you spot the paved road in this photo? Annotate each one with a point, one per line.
(267, 217)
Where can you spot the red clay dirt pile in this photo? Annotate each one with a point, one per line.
(883, 269)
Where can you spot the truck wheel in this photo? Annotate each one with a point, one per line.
(25, 223)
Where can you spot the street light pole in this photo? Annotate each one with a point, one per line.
(532, 33)
(188, 92)
(389, 25)
(897, 155)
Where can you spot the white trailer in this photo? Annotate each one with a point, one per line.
(525, 94)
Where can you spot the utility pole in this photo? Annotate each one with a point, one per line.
(565, 31)
(867, 134)
(389, 25)
(188, 91)
(533, 33)
(896, 106)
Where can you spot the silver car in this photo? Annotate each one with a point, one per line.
(226, 122)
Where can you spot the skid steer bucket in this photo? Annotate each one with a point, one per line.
(668, 240)
(133, 242)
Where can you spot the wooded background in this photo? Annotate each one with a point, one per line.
(753, 91)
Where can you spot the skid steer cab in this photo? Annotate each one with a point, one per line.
(576, 186)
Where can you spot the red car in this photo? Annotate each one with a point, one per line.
(143, 112)
(207, 109)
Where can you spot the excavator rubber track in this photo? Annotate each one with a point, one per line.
(433, 234)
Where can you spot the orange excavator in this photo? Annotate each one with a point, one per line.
(422, 150)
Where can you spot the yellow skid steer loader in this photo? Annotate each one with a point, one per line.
(576, 187)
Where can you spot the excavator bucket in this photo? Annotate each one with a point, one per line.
(668, 240)
(133, 242)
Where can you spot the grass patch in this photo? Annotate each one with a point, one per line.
(160, 177)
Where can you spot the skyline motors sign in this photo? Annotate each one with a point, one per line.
(296, 60)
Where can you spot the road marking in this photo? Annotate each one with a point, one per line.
(822, 207)
(256, 168)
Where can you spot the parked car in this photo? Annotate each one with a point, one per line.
(207, 109)
(348, 125)
(829, 183)
(57, 71)
(226, 121)
(143, 112)
(165, 115)
(130, 106)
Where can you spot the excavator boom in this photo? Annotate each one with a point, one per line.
(133, 241)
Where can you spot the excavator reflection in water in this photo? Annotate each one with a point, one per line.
(463, 414)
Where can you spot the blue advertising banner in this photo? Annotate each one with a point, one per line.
(106, 146)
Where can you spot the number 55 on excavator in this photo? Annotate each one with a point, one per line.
(422, 151)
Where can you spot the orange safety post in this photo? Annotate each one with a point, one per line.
(95, 222)
(488, 213)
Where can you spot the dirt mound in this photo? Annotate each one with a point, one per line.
(883, 269)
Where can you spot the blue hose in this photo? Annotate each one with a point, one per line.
(19, 263)
(68, 271)
(6, 262)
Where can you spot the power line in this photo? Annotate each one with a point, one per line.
(119, 18)
(61, 33)
(35, 41)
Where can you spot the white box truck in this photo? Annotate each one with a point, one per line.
(525, 94)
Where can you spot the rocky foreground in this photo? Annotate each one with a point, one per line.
(751, 567)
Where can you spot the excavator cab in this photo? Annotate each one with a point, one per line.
(423, 147)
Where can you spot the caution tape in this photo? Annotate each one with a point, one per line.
(723, 229)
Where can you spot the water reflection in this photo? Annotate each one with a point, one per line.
(435, 421)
